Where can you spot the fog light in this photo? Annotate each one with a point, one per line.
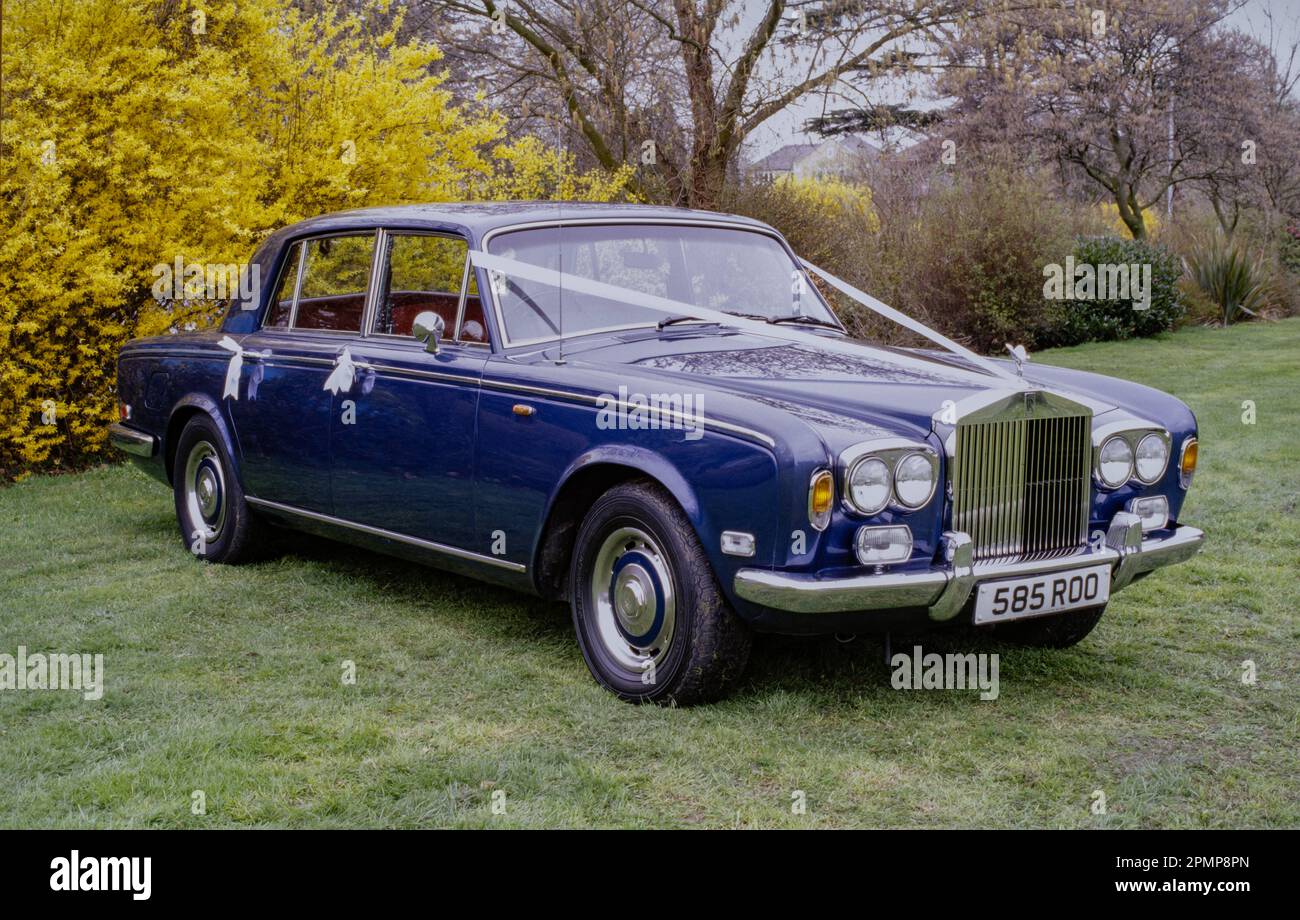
(1154, 511)
(879, 545)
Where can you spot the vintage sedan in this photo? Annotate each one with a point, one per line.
(654, 415)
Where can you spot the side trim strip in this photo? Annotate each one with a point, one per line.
(595, 401)
(390, 535)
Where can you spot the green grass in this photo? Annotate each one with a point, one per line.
(228, 679)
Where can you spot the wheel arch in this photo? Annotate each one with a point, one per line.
(587, 478)
(185, 409)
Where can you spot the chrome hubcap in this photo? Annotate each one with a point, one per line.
(631, 592)
(205, 491)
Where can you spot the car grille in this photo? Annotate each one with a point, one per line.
(1021, 486)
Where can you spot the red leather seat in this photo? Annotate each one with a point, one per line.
(338, 311)
(407, 305)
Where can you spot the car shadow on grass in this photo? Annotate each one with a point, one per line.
(829, 666)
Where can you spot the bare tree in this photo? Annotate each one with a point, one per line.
(675, 87)
(1136, 95)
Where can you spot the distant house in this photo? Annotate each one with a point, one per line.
(832, 157)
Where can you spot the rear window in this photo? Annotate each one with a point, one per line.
(336, 275)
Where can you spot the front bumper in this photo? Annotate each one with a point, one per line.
(944, 589)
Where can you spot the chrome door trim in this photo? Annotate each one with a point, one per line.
(595, 401)
(446, 550)
(416, 373)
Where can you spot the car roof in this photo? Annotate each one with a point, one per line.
(479, 218)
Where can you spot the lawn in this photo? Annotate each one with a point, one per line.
(229, 680)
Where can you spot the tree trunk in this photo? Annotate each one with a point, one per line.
(1130, 211)
(708, 179)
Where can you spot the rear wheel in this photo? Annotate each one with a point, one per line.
(651, 621)
(216, 522)
(1060, 630)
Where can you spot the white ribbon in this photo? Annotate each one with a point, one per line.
(234, 368)
(340, 379)
(553, 278)
(908, 323)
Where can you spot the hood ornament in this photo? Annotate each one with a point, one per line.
(1021, 356)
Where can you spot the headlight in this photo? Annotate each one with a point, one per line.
(1115, 463)
(1152, 456)
(869, 485)
(914, 481)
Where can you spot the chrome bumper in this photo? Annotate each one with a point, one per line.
(130, 441)
(945, 589)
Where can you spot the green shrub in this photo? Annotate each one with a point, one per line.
(1233, 280)
(1096, 319)
(1289, 249)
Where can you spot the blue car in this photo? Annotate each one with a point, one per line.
(655, 415)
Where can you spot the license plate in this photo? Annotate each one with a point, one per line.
(1017, 598)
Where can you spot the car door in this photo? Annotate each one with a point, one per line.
(283, 417)
(403, 435)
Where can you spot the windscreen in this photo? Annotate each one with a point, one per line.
(717, 268)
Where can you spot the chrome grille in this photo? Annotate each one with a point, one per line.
(1021, 485)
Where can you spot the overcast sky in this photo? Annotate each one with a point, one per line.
(787, 127)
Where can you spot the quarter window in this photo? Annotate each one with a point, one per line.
(282, 304)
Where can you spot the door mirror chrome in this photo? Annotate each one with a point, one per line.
(429, 328)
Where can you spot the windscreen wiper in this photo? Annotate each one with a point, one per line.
(806, 321)
(683, 318)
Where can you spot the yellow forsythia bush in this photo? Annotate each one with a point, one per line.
(137, 132)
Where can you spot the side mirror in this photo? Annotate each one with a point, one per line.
(429, 328)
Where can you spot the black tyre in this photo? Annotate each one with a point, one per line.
(1060, 630)
(216, 523)
(651, 622)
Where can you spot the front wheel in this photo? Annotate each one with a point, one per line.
(651, 621)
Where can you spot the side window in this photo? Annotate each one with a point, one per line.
(282, 304)
(335, 277)
(424, 273)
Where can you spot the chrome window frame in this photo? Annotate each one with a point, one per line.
(293, 297)
(372, 301)
(561, 222)
(302, 266)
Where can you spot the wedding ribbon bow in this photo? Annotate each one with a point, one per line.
(344, 374)
(234, 368)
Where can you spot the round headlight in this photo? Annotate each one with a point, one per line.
(869, 485)
(913, 480)
(1115, 464)
(1152, 456)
